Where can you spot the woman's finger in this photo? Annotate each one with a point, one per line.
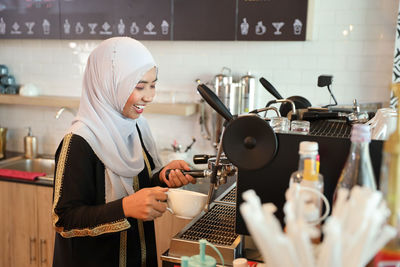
(160, 206)
(175, 178)
(153, 215)
(184, 165)
(161, 195)
(182, 178)
(190, 179)
(167, 182)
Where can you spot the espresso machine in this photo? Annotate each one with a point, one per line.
(264, 161)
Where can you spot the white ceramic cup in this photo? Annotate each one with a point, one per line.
(185, 204)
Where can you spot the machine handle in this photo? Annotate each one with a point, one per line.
(270, 88)
(201, 158)
(193, 173)
(32, 256)
(43, 243)
(212, 99)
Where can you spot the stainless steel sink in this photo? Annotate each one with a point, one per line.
(40, 164)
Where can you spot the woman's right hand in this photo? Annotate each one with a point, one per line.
(146, 204)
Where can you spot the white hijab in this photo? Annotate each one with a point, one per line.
(112, 72)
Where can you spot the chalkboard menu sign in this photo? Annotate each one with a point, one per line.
(204, 19)
(97, 19)
(272, 20)
(257, 20)
(30, 19)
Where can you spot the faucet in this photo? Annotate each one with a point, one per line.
(62, 109)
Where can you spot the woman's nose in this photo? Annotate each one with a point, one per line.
(149, 95)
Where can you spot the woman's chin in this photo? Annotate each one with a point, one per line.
(133, 116)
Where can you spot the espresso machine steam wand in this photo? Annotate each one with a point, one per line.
(212, 99)
(214, 181)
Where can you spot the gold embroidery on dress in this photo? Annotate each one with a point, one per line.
(140, 226)
(122, 249)
(112, 227)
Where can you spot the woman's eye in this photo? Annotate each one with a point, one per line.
(139, 87)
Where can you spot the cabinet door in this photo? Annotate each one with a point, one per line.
(5, 223)
(24, 239)
(166, 227)
(45, 226)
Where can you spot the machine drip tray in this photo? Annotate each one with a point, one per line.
(217, 226)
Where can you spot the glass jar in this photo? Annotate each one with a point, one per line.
(280, 124)
(301, 127)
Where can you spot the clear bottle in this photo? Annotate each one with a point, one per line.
(358, 167)
(390, 187)
(308, 176)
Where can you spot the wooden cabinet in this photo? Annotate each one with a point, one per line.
(166, 227)
(26, 232)
(46, 231)
(5, 225)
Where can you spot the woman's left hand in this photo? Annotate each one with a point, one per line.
(176, 177)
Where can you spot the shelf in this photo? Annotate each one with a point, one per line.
(181, 109)
(45, 101)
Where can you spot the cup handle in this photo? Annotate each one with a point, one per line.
(170, 210)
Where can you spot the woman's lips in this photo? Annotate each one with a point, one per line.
(138, 108)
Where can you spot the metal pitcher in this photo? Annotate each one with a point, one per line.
(3, 141)
(248, 89)
(222, 87)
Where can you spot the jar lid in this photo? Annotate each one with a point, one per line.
(307, 147)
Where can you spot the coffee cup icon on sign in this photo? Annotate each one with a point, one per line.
(46, 26)
(121, 27)
(134, 28)
(2, 26)
(244, 27)
(79, 28)
(260, 28)
(297, 26)
(67, 27)
(164, 27)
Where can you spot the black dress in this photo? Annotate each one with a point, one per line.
(91, 232)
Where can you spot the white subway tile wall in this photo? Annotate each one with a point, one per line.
(353, 40)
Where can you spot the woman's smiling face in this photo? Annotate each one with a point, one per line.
(142, 95)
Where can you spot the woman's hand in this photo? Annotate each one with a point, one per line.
(176, 177)
(145, 204)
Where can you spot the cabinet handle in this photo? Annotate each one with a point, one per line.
(32, 256)
(43, 244)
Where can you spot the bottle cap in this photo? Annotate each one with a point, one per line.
(361, 133)
(307, 147)
(240, 262)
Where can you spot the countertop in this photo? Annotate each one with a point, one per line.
(37, 181)
(40, 182)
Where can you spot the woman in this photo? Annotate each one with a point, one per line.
(107, 188)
